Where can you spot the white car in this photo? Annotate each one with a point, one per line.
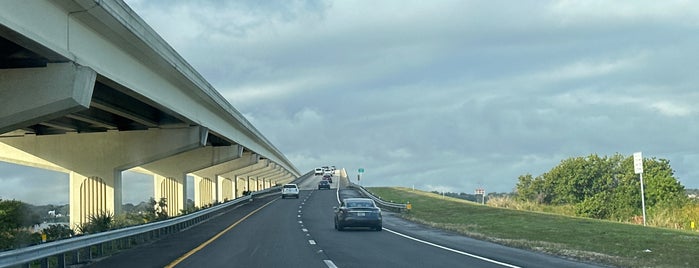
(290, 190)
(318, 171)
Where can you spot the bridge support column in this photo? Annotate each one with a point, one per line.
(254, 183)
(288, 178)
(220, 170)
(272, 173)
(170, 173)
(96, 160)
(33, 95)
(275, 176)
(204, 191)
(241, 185)
(225, 189)
(280, 179)
(250, 172)
(173, 189)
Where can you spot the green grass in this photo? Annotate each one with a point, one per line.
(605, 242)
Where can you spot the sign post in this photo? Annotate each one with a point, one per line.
(638, 169)
(359, 176)
(481, 191)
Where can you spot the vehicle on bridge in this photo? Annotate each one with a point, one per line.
(324, 184)
(318, 171)
(290, 190)
(328, 177)
(358, 212)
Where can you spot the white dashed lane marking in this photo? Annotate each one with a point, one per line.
(330, 263)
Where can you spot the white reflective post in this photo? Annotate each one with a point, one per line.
(638, 169)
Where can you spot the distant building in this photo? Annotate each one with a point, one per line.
(40, 227)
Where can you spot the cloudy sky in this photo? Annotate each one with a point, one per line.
(448, 95)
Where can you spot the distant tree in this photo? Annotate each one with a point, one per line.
(128, 207)
(15, 219)
(529, 188)
(15, 214)
(662, 187)
(156, 211)
(604, 187)
(161, 210)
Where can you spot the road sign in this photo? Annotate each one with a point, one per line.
(637, 163)
(481, 191)
(361, 170)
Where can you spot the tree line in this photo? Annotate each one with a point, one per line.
(605, 187)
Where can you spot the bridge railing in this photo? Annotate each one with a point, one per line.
(82, 249)
(380, 202)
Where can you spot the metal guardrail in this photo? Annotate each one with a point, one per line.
(82, 248)
(380, 202)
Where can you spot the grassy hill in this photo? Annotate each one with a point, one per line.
(605, 242)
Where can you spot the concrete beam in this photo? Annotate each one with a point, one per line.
(170, 174)
(272, 168)
(246, 170)
(96, 160)
(287, 178)
(272, 174)
(202, 196)
(276, 178)
(264, 166)
(265, 177)
(255, 178)
(33, 95)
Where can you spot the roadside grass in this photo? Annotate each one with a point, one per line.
(590, 240)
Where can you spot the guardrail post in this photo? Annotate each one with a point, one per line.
(100, 249)
(61, 260)
(90, 253)
(76, 256)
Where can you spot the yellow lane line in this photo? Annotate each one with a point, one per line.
(191, 252)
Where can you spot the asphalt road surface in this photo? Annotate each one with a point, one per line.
(274, 232)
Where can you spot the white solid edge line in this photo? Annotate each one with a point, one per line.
(452, 250)
(329, 263)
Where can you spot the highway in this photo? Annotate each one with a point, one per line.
(274, 232)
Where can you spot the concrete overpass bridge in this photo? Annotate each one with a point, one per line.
(88, 88)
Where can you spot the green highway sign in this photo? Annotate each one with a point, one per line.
(361, 170)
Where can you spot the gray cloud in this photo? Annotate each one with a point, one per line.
(450, 95)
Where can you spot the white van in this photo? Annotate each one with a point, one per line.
(318, 172)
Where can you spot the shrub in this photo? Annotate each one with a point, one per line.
(100, 222)
(58, 231)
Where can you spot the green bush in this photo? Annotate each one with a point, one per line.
(100, 222)
(57, 232)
